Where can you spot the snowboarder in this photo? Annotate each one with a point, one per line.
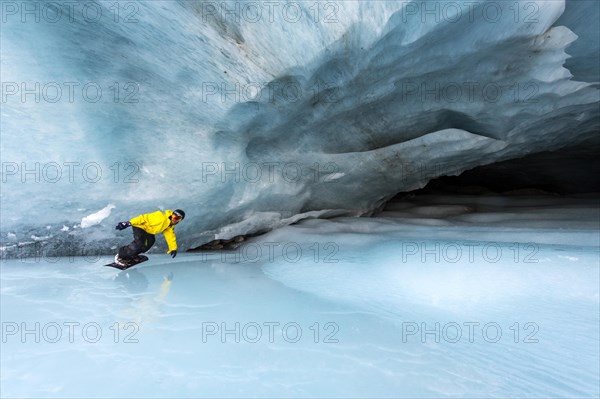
(144, 228)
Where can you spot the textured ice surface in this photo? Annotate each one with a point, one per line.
(250, 122)
(386, 308)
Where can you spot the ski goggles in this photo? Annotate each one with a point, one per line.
(176, 217)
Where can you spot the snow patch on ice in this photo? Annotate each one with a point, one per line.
(42, 238)
(97, 217)
(334, 176)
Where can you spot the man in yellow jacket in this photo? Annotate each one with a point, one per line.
(144, 228)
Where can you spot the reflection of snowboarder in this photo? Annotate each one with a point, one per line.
(144, 228)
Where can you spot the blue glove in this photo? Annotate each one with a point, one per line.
(122, 225)
(173, 253)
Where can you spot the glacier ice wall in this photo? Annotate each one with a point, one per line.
(253, 115)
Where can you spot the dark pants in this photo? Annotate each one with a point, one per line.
(142, 242)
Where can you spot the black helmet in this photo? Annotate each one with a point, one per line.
(179, 213)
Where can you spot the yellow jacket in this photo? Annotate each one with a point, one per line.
(157, 222)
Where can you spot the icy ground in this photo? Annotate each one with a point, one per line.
(447, 296)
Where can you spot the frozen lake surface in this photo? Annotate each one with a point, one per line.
(444, 297)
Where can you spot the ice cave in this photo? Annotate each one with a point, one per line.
(383, 198)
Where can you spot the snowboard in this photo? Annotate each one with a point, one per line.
(135, 261)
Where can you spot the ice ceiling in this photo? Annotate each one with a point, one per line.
(251, 115)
